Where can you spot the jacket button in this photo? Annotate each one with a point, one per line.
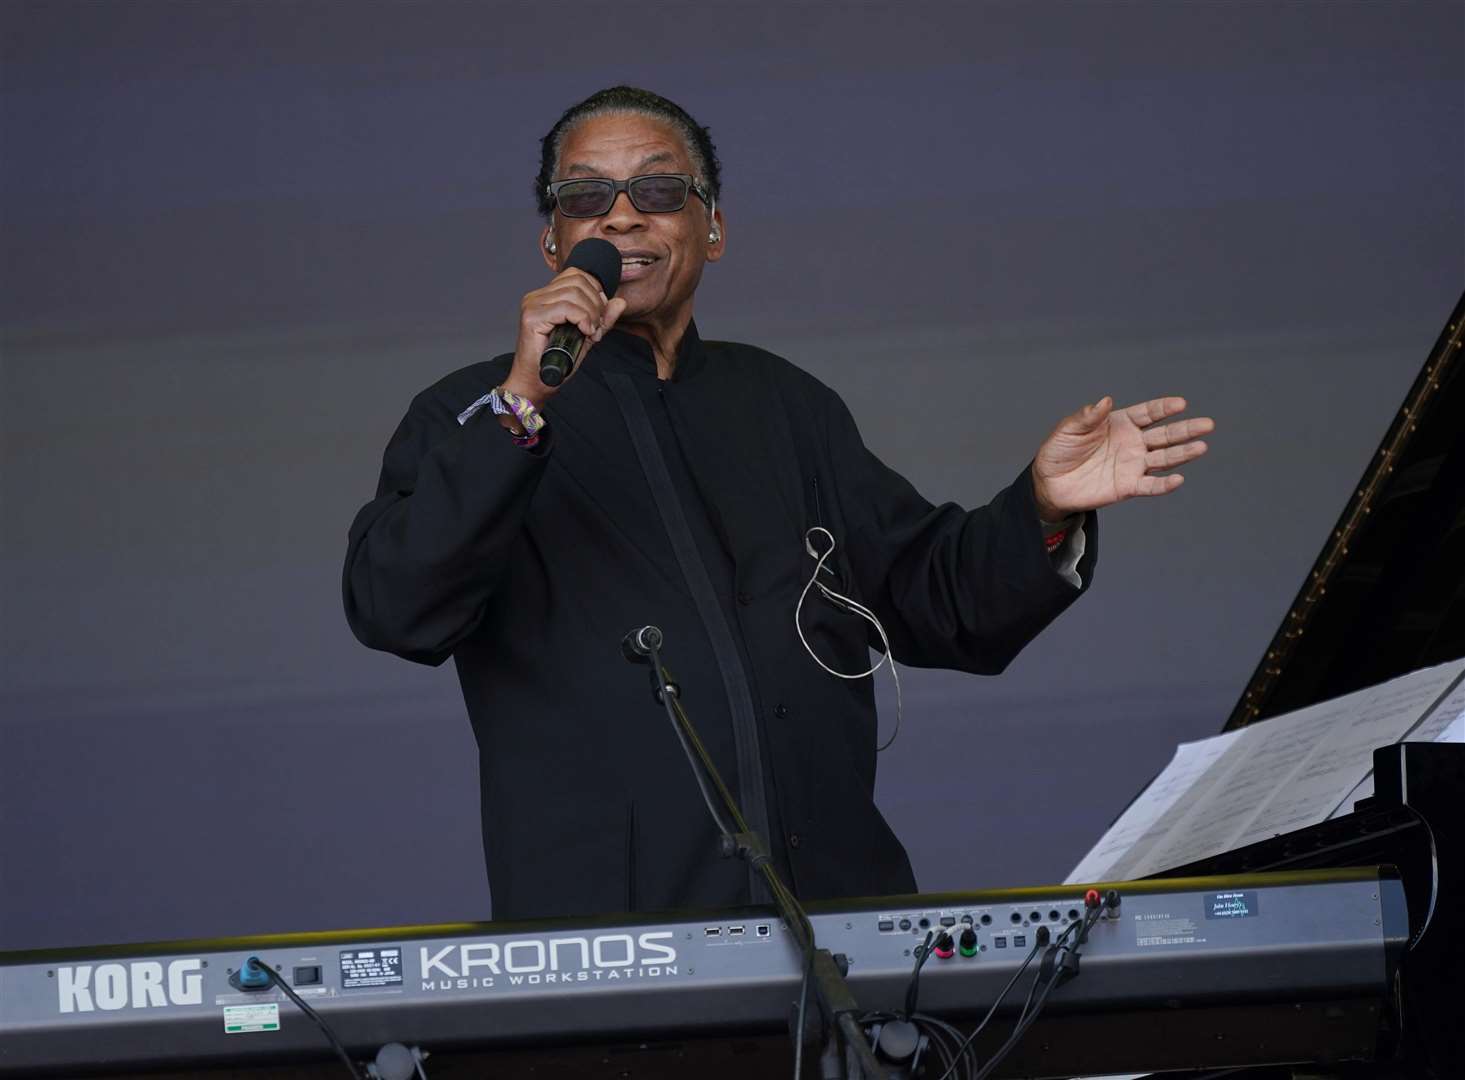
(780, 710)
(793, 839)
(744, 599)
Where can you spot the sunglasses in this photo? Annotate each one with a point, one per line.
(655, 193)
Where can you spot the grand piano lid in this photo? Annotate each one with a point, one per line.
(1387, 594)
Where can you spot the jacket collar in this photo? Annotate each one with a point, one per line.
(622, 351)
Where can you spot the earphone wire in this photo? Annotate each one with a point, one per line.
(854, 607)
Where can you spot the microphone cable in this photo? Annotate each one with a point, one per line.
(803, 1006)
(923, 953)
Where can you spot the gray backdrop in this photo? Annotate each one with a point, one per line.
(238, 237)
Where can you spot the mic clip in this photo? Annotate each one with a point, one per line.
(747, 845)
(670, 687)
(637, 645)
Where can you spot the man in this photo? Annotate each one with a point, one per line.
(524, 530)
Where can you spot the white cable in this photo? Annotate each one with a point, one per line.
(854, 607)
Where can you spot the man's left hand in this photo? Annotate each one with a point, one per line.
(1102, 455)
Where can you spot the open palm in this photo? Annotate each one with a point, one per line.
(1101, 455)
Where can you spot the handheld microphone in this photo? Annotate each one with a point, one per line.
(602, 261)
(637, 645)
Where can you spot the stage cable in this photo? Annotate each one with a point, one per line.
(315, 1017)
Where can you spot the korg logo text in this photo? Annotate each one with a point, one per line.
(141, 984)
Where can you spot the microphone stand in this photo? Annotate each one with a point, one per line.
(836, 1001)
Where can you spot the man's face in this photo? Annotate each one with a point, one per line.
(618, 147)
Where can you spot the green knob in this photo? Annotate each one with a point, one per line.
(968, 943)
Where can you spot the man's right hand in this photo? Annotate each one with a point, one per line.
(572, 296)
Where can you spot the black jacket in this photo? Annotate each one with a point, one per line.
(528, 567)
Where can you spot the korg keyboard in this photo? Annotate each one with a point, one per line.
(1200, 972)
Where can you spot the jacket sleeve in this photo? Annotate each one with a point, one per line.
(954, 588)
(425, 556)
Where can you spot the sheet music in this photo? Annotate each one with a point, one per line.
(1322, 779)
(1143, 822)
(1284, 774)
(1444, 723)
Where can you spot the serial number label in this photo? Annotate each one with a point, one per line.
(361, 968)
(1164, 929)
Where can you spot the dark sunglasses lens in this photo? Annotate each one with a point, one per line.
(659, 194)
(585, 198)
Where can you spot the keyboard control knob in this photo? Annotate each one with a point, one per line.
(968, 942)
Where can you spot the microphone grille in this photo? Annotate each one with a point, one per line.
(600, 259)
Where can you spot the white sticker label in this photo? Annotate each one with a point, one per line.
(239, 1019)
